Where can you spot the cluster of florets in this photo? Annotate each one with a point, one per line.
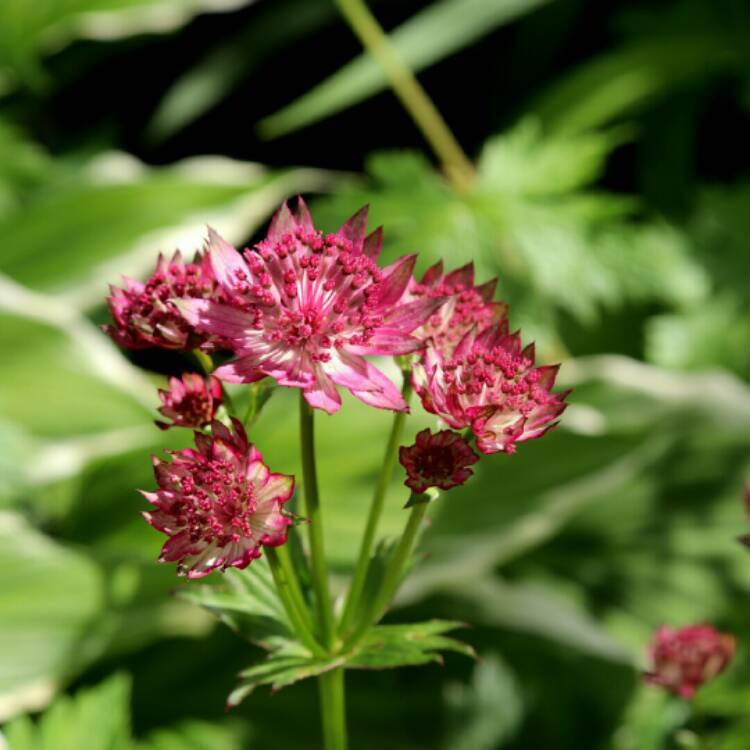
(145, 314)
(218, 504)
(190, 401)
(315, 305)
(306, 308)
(685, 658)
(441, 460)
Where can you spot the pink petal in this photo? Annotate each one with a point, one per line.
(220, 320)
(281, 224)
(348, 370)
(323, 395)
(388, 341)
(225, 260)
(396, 278)
(302, 216)
(413, 314)
(354, 228)
(387, 396)
(373, 244)
(242, 370)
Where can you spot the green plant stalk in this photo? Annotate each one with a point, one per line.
(393, 574)
(333, 709)
(376, 510)
(204, 360)
(413, 97)
(283, 586)
(295, 589)
(315, 527)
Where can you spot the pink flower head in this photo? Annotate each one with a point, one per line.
(190, 401)
(491, 385)
(466, 306)
(218, 504)
(315, 305)
(684, 658)
(145, 314)
(441, 460)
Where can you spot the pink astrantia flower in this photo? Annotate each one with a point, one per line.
(190, 401)
(144, 313)
(315, 305)
(441, 460)
(466, 306)
(684, 658)
(490, 384)
(218, 504)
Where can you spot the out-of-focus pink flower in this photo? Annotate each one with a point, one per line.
(145, 314)
(441, 460)
(218, 504)
(466, 306)
(190, 401)
(322, 303)
(684, 658)
(491, 385)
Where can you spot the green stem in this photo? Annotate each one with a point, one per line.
(333, 709)
(413, 97)
(295, 589)
(315, 527)
(376, 510)
(393, 574)
(284, 587)
(204, 360)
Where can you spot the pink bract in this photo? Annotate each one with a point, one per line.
(316, 304)
(145, 314)
(491, 385)
(685, 658)
(218, 504)
(441, 460)
(466, 306)
(190, 401)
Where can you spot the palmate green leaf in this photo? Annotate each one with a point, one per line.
(439, 30)
(49, 597)
(390, 646)
(282, 668)
(247, 602)
(383, 647)
(95, 718)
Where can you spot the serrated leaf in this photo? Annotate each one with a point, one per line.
(247, 602)
(390, 646)
(280, 670)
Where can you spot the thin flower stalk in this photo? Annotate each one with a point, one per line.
(376, 511)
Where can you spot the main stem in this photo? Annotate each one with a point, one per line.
(331, 684)
(376, 510)
(411, 94)
(315, 526)
(333, 709)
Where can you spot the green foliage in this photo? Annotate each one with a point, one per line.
(430, 35)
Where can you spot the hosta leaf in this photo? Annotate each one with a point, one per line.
(49, 597)
(389, 646)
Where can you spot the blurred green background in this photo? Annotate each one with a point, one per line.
(613, 202)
